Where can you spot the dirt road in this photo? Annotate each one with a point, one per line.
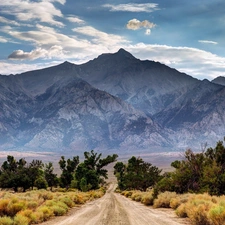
(114, 209)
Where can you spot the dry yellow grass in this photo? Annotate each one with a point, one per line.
(37, 206)
(201, 209)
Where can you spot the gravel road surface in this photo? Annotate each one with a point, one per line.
(115, 209)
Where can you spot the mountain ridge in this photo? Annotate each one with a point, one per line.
(114, 101)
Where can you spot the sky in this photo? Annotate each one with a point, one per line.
(186, 35)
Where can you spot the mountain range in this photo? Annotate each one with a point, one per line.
(113, 102)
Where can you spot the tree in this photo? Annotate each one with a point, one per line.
(91, 173)
(14, 174)
(35, 171)
(136, 175)
(198, 172)
(68, 168)
(50, 177)
(119, 171)
(41, 183)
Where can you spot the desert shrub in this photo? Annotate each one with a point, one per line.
(137, 196)
(147, 198)
(80, 198)
(197, 209)
(175, 202)
(127, 193)
(178, 200)
(46, 195)
(47, 212)
(32, 204)
(37, 217)
(97, 193)
(3, 206)
(14, 207)
(217, 215)
(30, 214)
(68, 201)
(20, 220)
(198, 215)
(163, 199)
(58, 210)
(181, 211)
(6, 220)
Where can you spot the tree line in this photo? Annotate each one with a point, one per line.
(85, 176)
(196, 173)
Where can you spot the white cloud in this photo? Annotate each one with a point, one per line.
(60, 1)
(135, 24)
(208, 42)
(148, 32)
(193, 61)
(7, 68)
(75, 20)
(43, 11)
(3, 40)
(53, 52)
(7, 21)
(92, 43)
(99, 37)
(133, 7)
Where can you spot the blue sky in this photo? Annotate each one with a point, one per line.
(186, 35)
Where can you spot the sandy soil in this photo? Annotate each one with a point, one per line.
(115, 209)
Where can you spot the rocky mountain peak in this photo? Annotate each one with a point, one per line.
(123, 53)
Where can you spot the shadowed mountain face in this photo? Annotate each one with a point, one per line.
(112, 102)
(219, 80)
(147, 85)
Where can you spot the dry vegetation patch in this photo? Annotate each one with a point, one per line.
(201, 209)
(36, 206)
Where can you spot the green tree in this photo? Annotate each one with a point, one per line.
(50, 177)
(14, 174)
(91, 173)
(35, 171)
(137, 174)
(198, 172)
(41, 183)
(68, 168)
(119, 172)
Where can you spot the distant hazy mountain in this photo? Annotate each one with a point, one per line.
(112, 102)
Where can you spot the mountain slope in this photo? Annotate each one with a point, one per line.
(219, 80)
(176, 101)
(68, 113)
(112, 102)
(147, 85)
